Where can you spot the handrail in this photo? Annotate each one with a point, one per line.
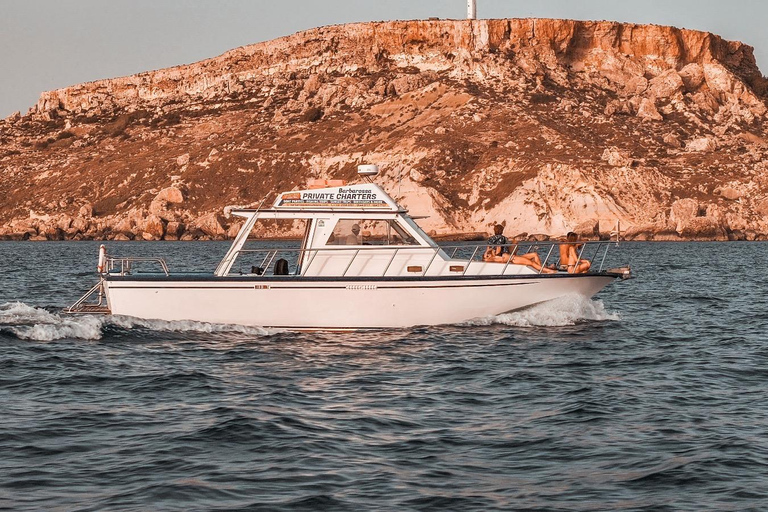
(390, 262)
(437, 250)
(469, 262)
(350, 263)
(512, 254)
(270, 255)
(125, 263)
(354, 252)
(97, 287)
(546, 258)
(605, 253)
(311, 259)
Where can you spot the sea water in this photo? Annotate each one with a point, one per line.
(651, 396)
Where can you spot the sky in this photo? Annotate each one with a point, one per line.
(48, 44)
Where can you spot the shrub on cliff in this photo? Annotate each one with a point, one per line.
(312, 114)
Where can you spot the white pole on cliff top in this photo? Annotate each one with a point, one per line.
(471, 9)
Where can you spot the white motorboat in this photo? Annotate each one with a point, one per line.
(363, 263)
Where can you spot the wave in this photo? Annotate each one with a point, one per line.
(31, 323)
(560, 312)
(37, 324)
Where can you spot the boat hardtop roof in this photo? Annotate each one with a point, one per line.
(361, 198)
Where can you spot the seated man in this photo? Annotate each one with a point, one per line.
(498, 251)
(569, 256)
(354, 237)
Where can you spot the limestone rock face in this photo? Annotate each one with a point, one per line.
(548, 125)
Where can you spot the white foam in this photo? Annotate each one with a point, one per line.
(560, 312)
(30, 323)
(128, 322)
(37, 324)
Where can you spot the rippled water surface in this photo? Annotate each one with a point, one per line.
(651, 396)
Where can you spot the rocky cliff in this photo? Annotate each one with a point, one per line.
(547, 125)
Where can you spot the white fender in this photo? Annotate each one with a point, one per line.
(102, 266)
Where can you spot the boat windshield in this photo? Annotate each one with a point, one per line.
(369, 232)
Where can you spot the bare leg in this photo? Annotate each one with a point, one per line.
(534, 257)
(531, 260)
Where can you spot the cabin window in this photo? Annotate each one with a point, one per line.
(369, 232)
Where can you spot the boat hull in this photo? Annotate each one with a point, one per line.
(293, 303)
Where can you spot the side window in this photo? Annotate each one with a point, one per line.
(399, 236)
(369, 232)
(346, 232)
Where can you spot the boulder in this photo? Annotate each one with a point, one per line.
(737, 236)
(234, 229)
(79, 225)
(706, 101)
(701, 145)
(702, 228)
(666, 236)
(52, 232)
(616, 157)
(728, 193)
(312, 85)
(647, 110)
(86, 211)
(761, 207)
(672, 140)
(404, 84)
(636, 85)
(63, 222)
(692, 76)
(211, 224)
(174, 230)
(160, 208)
(618, 107)
(682, 211)
(193, 233)
(588, 229)
(152, 228)
(170, 195)
(666, 85)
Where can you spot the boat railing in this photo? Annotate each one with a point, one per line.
(83, 306)
(593, 251)
(125, 265)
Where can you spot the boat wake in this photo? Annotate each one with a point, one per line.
(561, 312)
(26, 322)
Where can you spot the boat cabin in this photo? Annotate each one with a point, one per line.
(350, 231)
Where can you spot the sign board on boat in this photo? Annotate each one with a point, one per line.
(365, 196)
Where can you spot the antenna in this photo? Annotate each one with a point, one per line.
(471, 9)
